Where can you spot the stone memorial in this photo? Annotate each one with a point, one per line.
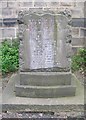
(44, 53)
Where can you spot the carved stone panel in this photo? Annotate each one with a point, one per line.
(43, 42)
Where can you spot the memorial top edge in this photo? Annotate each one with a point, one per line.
(22, 14)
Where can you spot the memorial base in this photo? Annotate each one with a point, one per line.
(45, 85)
(11, 102)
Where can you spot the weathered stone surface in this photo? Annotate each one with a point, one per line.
(75, 32)
(44, 46)
(49, 91)
(6, 33)
(79, 22)
(45, 78)
(0, 13)
(53, 4)
(4, 4)
(40, 4)
(66, 4)
(25, 4)
(12, 4)
(75, 12)
(78, 41)
(83, 32)
(45, 92)
(7, 12)
(12, 102)
(45, 50)
(85, 9)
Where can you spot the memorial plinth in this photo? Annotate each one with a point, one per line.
(44, 55)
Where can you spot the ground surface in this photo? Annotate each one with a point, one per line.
(65, 115)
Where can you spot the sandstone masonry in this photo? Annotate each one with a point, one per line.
(9, 12)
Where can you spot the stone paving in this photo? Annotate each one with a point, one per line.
(62, 115)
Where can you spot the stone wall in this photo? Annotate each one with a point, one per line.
(9, 11)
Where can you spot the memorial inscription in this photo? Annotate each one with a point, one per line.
(41, 38)
(44, 42)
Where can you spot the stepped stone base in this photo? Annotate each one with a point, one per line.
(11, 102)
(45, 85)
(45, 78)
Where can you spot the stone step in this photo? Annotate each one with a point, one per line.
(45, 78)
(45, 91)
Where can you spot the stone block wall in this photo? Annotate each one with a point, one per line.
(9, 12)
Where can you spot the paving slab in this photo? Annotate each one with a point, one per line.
(11, 102)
